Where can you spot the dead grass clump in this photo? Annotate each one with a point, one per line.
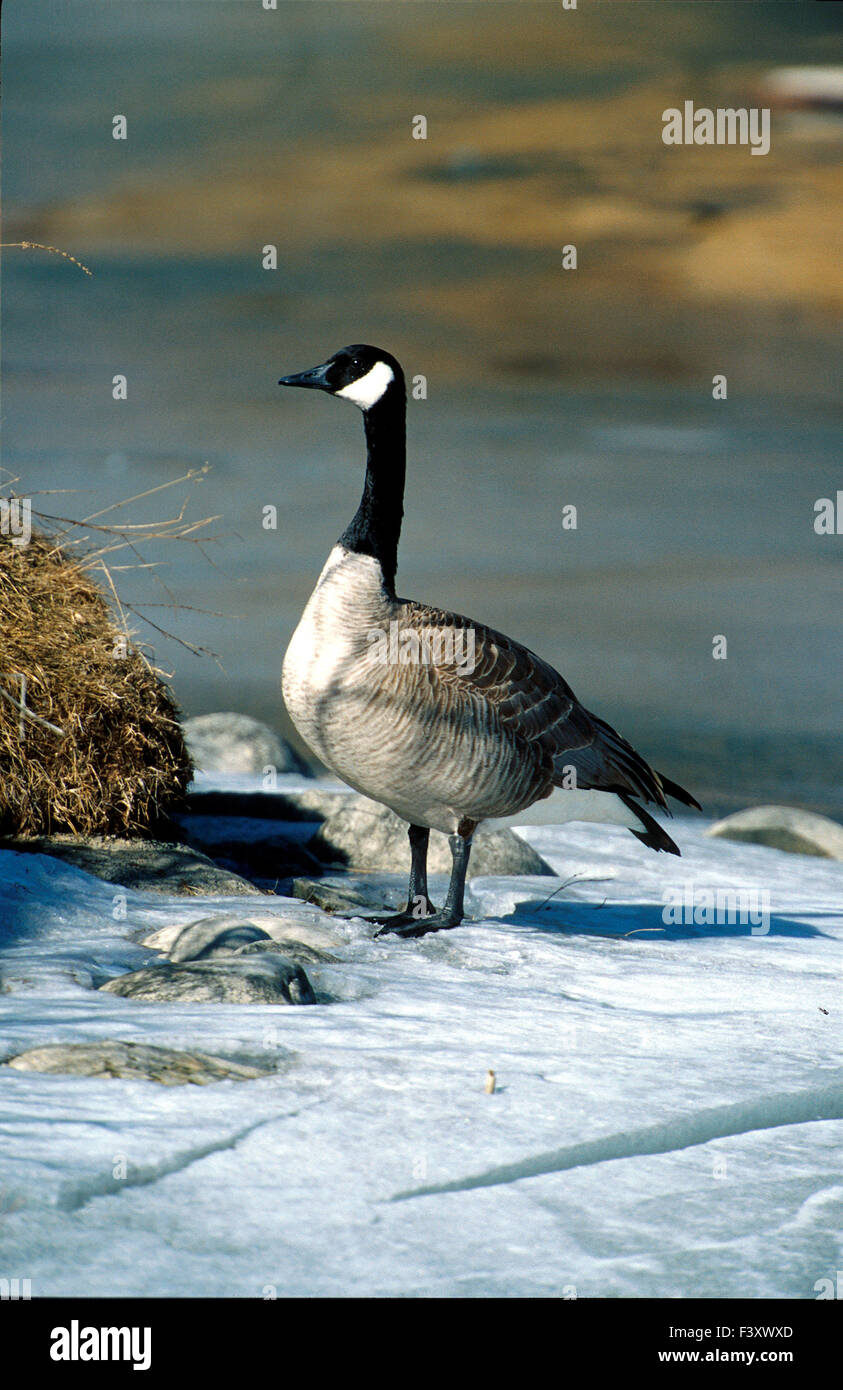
(95, 747)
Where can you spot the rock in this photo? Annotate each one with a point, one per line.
(293, 928)
(230, 742)
(366, 836)
(304, 932)
(349, 900)
(497, 852)
(293, 951)
(261, 979)
(148, 866)
(210, 936)
(135, 1062)
(783, 827)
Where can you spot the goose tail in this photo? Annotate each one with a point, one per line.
(651, 834)
(679, 793)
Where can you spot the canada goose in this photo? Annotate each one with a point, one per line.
(446, 742)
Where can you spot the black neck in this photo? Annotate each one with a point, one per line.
(376, 525)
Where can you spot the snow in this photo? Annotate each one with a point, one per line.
(666, 1120)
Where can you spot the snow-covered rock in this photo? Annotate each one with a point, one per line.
(295, 928)
(783, 827)
(156, 866)
(210, 936)
(134, 1062)
(268, 979)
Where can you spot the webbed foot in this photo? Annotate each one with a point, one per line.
(419, 926)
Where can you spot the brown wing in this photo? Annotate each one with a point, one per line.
(526, 698)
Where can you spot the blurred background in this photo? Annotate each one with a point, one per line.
(545, 387)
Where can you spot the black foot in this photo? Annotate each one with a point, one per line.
(402, 925)
(412, 914)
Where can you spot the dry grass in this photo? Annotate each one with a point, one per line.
(97, 747)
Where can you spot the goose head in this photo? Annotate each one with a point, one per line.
(360, 373)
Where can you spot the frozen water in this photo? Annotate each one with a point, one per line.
(612, 1034)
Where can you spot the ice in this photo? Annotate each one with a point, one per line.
(612, 1036)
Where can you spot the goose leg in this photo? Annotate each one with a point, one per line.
(419, 905)
(453, 911)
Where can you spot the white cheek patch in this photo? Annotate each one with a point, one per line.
(369, 388)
